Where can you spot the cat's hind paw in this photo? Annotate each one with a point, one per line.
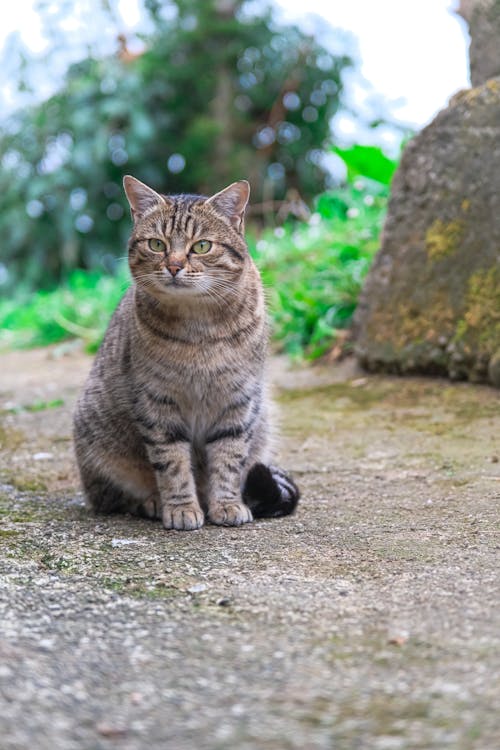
(147, 509)
(229, 513)
(185, 517)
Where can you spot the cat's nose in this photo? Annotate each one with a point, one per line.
(174, 268)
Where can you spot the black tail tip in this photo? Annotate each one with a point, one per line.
(269, 492)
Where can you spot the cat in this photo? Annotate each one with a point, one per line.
(173, 421)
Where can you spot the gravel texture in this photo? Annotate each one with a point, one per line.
(369, 620)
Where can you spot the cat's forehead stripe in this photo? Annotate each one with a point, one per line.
(180, 218)
(174, 216)
(180, 205)
(189, 225)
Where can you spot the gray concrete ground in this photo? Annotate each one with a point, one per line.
(370, 619)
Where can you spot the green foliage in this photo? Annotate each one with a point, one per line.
(367, 161)
(313, 274)
(80, 308)
(214, 97)
(37, 406)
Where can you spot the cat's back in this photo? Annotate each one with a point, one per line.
(114, 349)
(110, 370)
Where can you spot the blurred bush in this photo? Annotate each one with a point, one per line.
(313, 273)
(217, 94)
(79, 308)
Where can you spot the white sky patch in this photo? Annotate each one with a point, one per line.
(130, 13)
(412, 53)
(20, 16)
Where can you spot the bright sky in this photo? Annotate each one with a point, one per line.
(412, 53)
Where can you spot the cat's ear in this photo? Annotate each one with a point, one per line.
(231, 203)
(140, 196)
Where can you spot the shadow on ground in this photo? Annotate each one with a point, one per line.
(369, 619)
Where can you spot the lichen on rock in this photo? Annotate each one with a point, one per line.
(481, 320)
(442, 239)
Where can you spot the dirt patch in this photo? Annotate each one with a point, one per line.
(368, 620)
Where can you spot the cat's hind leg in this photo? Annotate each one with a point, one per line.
(103, 496)
(131, 491)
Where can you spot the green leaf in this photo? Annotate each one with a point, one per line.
(367, 161)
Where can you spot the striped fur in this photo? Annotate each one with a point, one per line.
(173, 420)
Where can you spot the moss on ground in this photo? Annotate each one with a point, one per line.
(345, 393)
(24, 484)
(10, 438)
(293, 619)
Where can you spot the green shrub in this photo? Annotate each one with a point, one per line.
(80, 308)
(213, 97)
(313, 273)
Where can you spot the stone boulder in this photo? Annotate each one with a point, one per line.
(431, 302)
(483, 19)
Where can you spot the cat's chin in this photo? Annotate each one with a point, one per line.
(175, 290)
(180, 287)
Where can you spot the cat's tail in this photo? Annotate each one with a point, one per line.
(269, 492)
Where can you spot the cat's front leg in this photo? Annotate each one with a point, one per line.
(179, 506)
(227, 454)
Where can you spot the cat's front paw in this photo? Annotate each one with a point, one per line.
(230, 513)
(185, 517)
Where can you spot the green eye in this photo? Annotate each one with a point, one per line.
(157, 246)
(201, 247)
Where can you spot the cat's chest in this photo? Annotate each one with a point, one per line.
(199, 390)
(204, 392)
(199, 400)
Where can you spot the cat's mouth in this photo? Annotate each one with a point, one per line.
(179, 284)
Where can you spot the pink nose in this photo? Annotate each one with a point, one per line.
(174, 268)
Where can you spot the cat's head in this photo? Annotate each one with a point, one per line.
(187, 245)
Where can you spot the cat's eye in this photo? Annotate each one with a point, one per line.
(201, 247)
(157, 246)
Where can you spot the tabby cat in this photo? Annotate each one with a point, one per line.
(173, 420)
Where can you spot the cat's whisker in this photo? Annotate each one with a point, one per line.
(224, 288)
(222, 282)
(213, 294)
(139, 277)
(225, 292)
(268, 294)
(146, 282)
(151, 276)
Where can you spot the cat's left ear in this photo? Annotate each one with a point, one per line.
(231, 203)
(140, 196)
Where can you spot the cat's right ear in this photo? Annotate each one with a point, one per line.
(140, 196)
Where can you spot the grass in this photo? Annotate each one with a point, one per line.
(313, 272)
(35, 406)
(80, 308)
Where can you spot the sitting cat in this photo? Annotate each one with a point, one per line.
(173, 420)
